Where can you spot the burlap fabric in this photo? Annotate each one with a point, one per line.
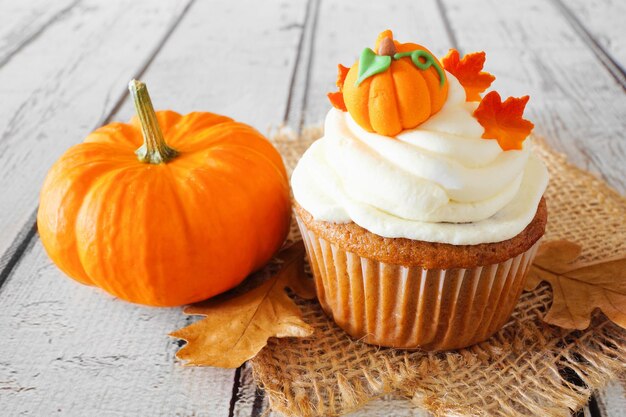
(528, 368)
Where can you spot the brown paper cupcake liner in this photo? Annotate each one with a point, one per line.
(412, 307)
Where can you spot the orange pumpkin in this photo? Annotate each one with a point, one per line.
(402, 95)
(165, 226)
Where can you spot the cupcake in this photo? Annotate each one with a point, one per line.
(421, 207)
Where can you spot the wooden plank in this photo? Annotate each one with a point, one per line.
(233, 58)
(62, 86)
(73, 350)
(300, 79)
(575, 102)
(105, 369)
(604, 20)
(22, 22)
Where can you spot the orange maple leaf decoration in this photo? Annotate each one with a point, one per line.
(336, 98)
(469, 72)
(503, 120)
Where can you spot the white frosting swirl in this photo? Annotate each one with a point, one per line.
(439, 182)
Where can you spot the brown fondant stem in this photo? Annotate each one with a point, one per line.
(387, 47)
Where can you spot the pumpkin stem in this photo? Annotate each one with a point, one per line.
(387, 47)
(154, 149)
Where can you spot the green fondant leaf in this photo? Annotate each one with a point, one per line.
(371, 64)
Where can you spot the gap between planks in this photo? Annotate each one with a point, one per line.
(29, 37)
(607, 60)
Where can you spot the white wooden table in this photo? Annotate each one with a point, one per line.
(70, 350)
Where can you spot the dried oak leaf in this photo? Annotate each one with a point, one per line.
(503, 121)
(469, 72)
(579, 288)
(236, 329)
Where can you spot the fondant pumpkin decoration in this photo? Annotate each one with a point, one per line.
(395, 87)
(199, 205)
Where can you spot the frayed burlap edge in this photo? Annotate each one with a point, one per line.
(527, 369)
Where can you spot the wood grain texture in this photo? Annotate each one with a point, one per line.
(580, 26)
(62, 86)
(575, 102)
(22, 22)
(73, 350)
(233, 58)
(606, 21)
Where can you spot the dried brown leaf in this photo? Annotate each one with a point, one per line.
(236, 329)
(579, 288)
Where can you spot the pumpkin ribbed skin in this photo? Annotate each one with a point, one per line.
(400, 98)
(172, 233)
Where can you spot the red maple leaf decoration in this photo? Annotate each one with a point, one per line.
(503, 120)
(469, 72)
(336, 98)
